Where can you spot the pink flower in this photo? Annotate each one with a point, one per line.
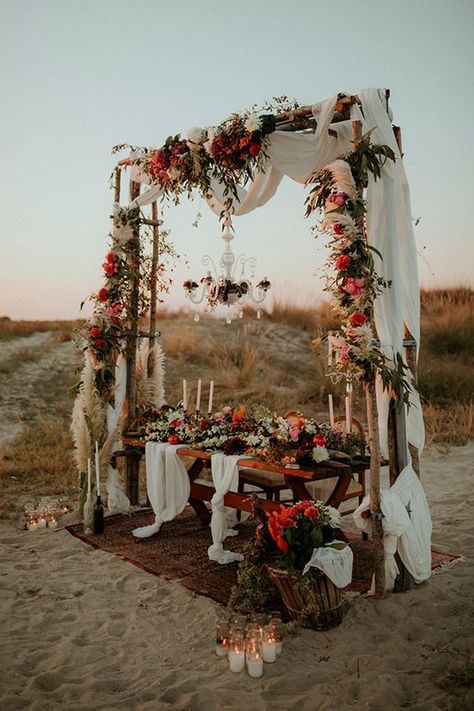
(226, 410)
(114, 310)
(344, 354)
(354, 287)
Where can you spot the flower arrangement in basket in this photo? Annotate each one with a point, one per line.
(299, 547)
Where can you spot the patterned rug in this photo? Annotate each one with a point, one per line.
(179, 552)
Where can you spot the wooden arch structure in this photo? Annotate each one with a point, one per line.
(298, 120)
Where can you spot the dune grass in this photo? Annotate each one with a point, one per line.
(269, 361)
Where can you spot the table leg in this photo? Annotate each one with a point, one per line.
(198, 505)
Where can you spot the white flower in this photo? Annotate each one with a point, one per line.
(195, 135)
(320, 454)
(253, 123)
(335, 517)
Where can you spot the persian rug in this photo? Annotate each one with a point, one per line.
(179, 552)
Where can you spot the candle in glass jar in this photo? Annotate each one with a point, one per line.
(52, 522)
(222, 638)
(269, 651)
(42, 523)
(32, 524)
(236, 659)
(254, 665)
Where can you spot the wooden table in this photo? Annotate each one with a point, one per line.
(296, 479)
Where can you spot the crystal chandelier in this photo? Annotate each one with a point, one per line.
(224, 288)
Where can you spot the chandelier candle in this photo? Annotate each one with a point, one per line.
(211, 395)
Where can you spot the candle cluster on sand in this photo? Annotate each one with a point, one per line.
(198, 396)
(250, 644)
(45, 514)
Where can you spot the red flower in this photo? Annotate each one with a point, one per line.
(110, 257)
(319, 440)
(255, 149)
(342, 262)
(357, 318)
(338, 229)
(98, 342)
(312, 512)
(288, 523)
(103, 296)
(95, 332)
(174, 439)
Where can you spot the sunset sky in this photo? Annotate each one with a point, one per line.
(79, 76)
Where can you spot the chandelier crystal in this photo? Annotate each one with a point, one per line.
(224, 287)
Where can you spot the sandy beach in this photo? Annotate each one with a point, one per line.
(83, 630)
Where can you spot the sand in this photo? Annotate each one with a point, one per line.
(83, 630)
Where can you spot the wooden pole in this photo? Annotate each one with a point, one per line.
(133, 463)
(118, 175)
(153, 283)
(374, 440)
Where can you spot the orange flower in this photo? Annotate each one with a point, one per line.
(239, 414)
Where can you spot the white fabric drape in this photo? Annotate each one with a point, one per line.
(336, 563)
(167, 485)
(225, 476)
(406, 524)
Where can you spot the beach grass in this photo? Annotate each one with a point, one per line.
(271, 361)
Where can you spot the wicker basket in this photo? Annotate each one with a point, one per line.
(319, 606)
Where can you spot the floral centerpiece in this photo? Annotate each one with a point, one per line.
(286, 552)
(274, 438)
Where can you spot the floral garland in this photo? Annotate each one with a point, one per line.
(271, 437)
(103, 334)
(230, 153)
(354, 282)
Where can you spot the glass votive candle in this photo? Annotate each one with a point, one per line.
(42, 522)
(222, 638)
(269, 644)
(236, 654)
(253, 655)
(277, 622)
(32, 522)
(52, 521)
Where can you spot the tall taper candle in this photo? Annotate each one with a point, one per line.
(89, 485)
(348, 415)
(211, 396)
(329, 350)
(185, 395)
(97, 469)
(198, 395)
(331, 411)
